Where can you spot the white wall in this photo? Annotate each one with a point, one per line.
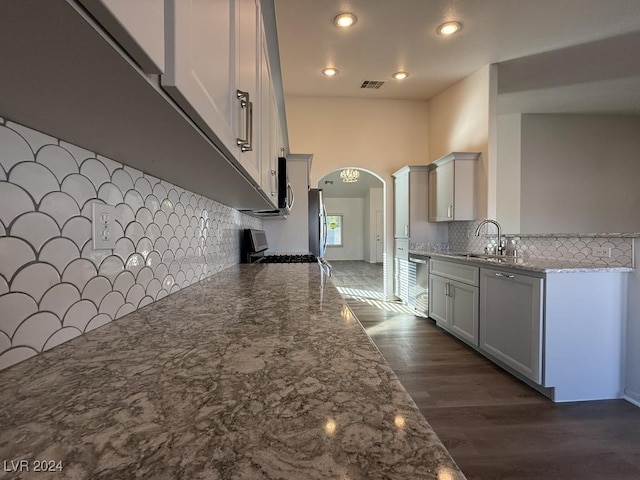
(580, 173)
(460, 119)
(352, 210)
(291, 235)
(508, 173)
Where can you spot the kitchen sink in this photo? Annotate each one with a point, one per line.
(487, 256)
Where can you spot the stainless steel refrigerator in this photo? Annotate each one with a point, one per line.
(318, 226)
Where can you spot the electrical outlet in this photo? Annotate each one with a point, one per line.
(601, 251)
(103, 231)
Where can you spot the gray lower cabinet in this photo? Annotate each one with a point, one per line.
(511, 325)
(454, 303)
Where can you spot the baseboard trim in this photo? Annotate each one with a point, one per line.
(630, 397)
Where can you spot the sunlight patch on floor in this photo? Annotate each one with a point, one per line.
(360, 293)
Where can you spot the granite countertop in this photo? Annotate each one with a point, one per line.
(254, 373)
(539, 265)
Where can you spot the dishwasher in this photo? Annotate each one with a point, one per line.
(421, 285)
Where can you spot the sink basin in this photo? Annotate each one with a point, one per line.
(487, 256)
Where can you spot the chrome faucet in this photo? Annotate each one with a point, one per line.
(500, 248)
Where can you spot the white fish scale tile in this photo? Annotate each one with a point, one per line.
(97, 322)
(110, 165)
(96, 289)
(122, 180)
(14, 309)
(143, 187)
(80, 314)
(59, 252)
(111, 304)
(79, 188)
(144, 277)
(125, 309)
(45, 208)
(124, 282)
(78, 230)
(61, 336)
(79, 154)
(135, 294)
(134, 200)
(59, 299)
(135, 263)
(36, 330)
(14, 254)
(111, 267)
(15, 149)
(14, 200)
(35, 279)
(58, 160)
(5, 342)
(95, 171)
(35, 228)
(79, 272)
(96, 256)
(60, 206)
(110, 194)
(124, 248)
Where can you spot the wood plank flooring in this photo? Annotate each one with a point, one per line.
(494, 426)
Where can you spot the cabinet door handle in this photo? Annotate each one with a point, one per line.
(446, 289)
(450, 211)
(505, 275)
(274, 180)
(406, 230)
(245, 144)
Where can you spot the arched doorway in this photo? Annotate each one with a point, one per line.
(357, 218)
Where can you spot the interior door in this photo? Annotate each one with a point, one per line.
(379, 237)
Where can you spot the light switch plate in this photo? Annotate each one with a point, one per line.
(103, 231)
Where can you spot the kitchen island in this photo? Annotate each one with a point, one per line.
(258, 372)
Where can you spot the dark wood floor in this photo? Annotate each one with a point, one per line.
(495, 426)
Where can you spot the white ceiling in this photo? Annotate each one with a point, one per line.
(401, 35)
(333, 187)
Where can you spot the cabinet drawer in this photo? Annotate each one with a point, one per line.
(456, 271)
(402, 248)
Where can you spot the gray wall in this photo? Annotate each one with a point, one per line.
(579, 173)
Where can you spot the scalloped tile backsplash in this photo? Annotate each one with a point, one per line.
(53, 285)
(578, 248)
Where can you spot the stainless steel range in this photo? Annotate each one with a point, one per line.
(254, 244)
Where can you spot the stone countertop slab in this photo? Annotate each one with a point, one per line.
(254, 373)
(539, 265)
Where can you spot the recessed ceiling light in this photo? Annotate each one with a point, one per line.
(330, 72)
(449, 28)
(345, 20)
(400, 75)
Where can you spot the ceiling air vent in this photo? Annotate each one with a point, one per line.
(372, 84)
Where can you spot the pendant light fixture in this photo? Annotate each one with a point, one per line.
(349, 175)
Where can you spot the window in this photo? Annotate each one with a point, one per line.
(334, 230)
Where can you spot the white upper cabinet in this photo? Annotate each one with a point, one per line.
(401, 203)
(249, 46)
(138, 26)
(213, 72)
(410, 206)
(452, 187)
(200, 66)
(268, 141)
